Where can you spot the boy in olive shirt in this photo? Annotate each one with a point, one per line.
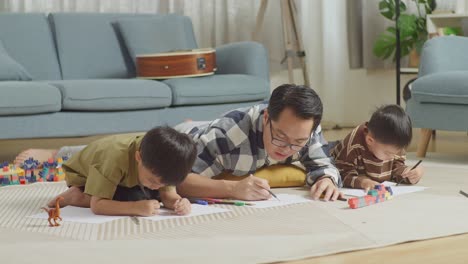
(128, 174)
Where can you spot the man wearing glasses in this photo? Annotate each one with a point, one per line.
(285, 130)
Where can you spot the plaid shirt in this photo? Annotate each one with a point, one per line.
(234, 143)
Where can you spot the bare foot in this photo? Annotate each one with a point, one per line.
(38, 154)
(74, 197)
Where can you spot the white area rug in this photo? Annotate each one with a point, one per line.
(245, 235)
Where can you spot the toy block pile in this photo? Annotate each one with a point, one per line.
(379, 194)
(51, 170)
(10, 174)
(29, 166)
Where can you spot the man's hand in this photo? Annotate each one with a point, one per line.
(251, 189)
(147, 207)
(182, 207)
(368, 184)
(413, 175)
(324, 189)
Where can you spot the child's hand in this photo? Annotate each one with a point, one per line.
(182, 207)
(413, 175)
(368, 184)
(325, 190)
(147, 207)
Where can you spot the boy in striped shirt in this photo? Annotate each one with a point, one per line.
(374, 152)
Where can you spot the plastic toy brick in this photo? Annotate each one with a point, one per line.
(51, 170)
(10, 174)
(379, 194)
(29, 166)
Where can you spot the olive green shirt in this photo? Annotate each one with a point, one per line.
(104, 164)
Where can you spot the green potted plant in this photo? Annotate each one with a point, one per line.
(413, 32)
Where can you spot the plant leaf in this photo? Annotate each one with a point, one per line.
(419, 45)
(407, 24)
(387, 8)
(412, 29)
(429, 5)
(384, 45)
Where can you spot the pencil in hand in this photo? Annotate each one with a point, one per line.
(272, 194)
(268, 190)
(414, 167)
(339, 198)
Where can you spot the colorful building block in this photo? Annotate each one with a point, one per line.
(379, 194)
(10, 174)
(29, 166)
(51, 170)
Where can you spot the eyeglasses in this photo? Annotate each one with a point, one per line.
(281, 143)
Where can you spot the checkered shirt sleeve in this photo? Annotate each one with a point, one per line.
(317, 161)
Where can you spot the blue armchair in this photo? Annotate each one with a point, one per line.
(439, 97)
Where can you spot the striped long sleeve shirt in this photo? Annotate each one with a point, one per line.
(234, 144)
(356, 162)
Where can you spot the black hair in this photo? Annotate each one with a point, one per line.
(168, 154)
(390, 124)
(304, 101)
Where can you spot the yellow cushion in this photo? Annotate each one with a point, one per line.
(277, 175)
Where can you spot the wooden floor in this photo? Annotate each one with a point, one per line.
(443, 250)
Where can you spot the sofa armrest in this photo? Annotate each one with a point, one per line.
(249, 58)
(444, 54)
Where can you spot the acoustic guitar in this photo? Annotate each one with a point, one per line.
(176, 64)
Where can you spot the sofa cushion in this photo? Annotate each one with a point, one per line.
(10, 69)
(147, 35)
(217, 89)
(28, 39)
(26, 98)
(113, 95)
(89, 47)
(444, 88)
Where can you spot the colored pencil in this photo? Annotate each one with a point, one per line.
(414, 167)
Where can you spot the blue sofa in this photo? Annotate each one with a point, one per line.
(73, 74)
(439, 97)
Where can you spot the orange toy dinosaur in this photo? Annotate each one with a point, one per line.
(54, 213)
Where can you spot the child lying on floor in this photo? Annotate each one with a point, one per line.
(129, 174)
(374, 152)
